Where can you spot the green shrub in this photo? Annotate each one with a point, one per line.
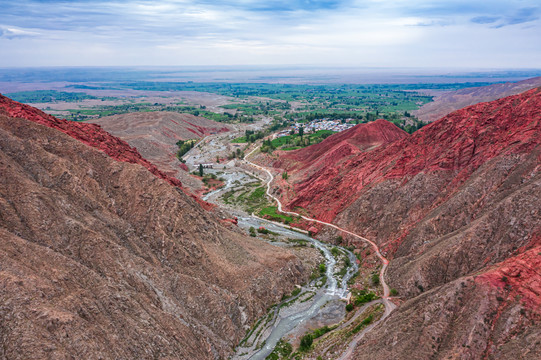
(252, 231)
(349, 307)
(306, 342)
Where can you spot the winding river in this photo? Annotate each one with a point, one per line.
(322, 296)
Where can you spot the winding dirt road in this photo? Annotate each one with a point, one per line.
(389, 306)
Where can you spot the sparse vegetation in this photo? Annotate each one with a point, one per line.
(184, 146)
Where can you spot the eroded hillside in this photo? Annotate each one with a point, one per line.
(102, 259)
(456, 205)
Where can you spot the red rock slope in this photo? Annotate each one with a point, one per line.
(457, 144)
(460, 194)
(90, 134)
(456, 206)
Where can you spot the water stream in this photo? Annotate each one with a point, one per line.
(321, 298)
(289, 319)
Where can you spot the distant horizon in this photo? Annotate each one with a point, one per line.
(440, 70)
(291, 74)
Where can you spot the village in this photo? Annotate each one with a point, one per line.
(319, 124)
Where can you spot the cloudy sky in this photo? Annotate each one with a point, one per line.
(382, 33)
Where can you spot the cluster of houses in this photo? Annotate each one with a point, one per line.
(319, 124)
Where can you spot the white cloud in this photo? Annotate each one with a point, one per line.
(355, 32)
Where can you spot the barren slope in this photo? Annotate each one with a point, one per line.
(495, 314)
(451, 101)
(102, 259)
(155, 134)
(341, 146)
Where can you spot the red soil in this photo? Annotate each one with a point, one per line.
(336, 170)
(519, 276)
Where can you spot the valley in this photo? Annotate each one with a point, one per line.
(354, 232)
(319, 303)
(270, 180)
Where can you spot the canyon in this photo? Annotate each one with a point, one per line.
(106, 254)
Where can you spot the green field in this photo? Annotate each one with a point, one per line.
(273, 214)
(285, 103)
(49, 96)
(292, 142)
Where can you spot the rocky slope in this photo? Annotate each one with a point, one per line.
(491, 315)
(456, 206)
(454, 100)
(155, 134)
(100, 258)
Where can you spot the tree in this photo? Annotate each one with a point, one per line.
(201, 170)
(284, 175)
(306, 342)
(301, 131)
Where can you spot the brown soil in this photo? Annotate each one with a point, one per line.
(102, 259)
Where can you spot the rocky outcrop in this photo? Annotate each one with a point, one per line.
(99, 258)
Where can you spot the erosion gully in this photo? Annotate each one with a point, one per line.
(320, 301)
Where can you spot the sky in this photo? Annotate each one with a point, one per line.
(481, 34)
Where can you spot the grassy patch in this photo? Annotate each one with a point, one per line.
(240, 140)
(271, 212)
(292, 142)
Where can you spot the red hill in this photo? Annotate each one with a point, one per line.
(90, 134)
(457, 145)
(456, 205)
(340, 146)
(461, 191)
